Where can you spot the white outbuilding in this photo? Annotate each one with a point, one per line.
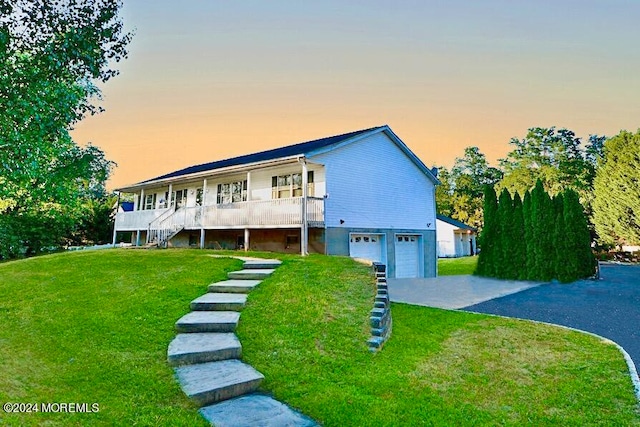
(455, 238)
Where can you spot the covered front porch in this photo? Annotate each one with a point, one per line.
(280, 195)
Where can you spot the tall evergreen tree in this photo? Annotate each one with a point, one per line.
(519, 248)
(562, 255)
(505, 268)
(616, 208)
(489, 235)
(542, 222)
(530, 258)
(579, 243)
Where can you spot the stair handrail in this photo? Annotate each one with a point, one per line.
(167, 226)
(154, 226)
(168, 212)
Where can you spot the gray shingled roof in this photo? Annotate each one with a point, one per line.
(277, 153)
(454, 222)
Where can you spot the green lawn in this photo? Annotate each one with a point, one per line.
(94, 327)
(457, 266)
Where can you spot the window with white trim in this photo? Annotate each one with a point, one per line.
(290, 185)
(149, 202)
(162, 203)
(232, 192)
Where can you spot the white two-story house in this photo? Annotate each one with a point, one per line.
(363, 194)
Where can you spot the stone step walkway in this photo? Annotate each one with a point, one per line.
(206, 356)
(251, 274)
(234, 286)
(218, 301)
(203, 347)
(208, 321)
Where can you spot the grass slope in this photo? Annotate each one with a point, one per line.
(457, 266)
(305, 328)
(94, 327)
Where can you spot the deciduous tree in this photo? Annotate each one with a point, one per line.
(461, 192)
(553, 156)
(53, 54)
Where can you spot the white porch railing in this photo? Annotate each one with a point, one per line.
(136, 220)
(251, 214)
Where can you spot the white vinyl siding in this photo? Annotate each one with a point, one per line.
(372, 183)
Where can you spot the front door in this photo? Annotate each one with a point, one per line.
(180, 198)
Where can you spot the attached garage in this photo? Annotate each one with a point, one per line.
(367, 246)
(407, 254)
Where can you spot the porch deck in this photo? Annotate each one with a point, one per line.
(277, 213)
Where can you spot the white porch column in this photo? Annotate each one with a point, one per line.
(202, 203)
(248, 186)
(304, 230)
(140, 207)
(170, 195)
(246, 230)
(115, 221)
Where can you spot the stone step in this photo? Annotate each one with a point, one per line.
(214, 301)
(254, 410)
(211, 382)
(234, 286)
(257, 274)
(203, 347)
(261, 264)
(208, 321)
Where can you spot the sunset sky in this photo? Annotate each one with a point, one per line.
(207, 80)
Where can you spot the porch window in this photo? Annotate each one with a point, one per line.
(198, 196)
(284, 186)
(162, 203)
(232, 192)
(149, 202)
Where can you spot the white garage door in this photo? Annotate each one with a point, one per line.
(367, 246)
(407, 256)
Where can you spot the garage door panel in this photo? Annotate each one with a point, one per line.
(367, 246)
(407, 256)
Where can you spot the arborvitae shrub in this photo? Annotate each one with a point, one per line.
(519, 248)
(538, 239)
(489, 235)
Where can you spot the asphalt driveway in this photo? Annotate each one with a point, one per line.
(609, 307)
